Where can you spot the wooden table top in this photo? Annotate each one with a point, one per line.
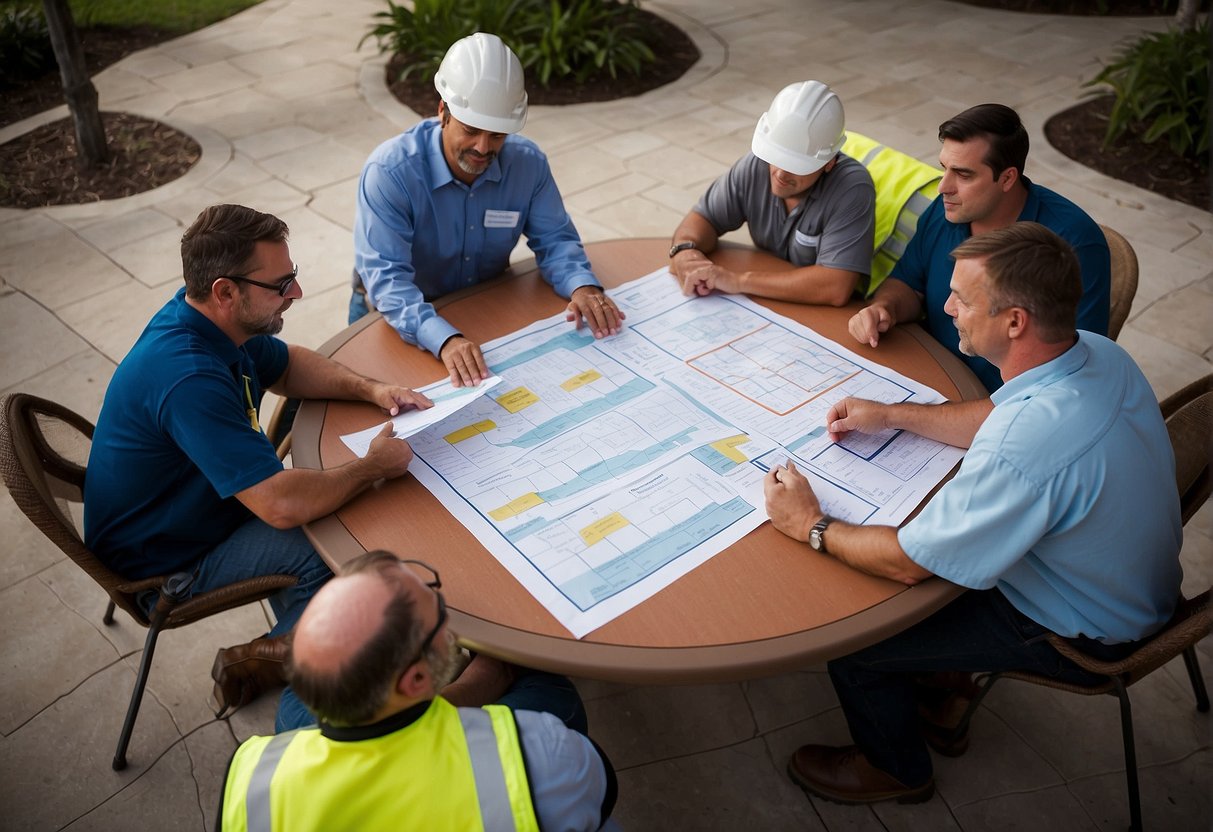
(765, 605)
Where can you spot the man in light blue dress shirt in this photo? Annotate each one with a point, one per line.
(441, 206)
(1063, 517)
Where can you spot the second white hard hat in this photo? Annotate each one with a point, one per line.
(480, 81)
(802, 130)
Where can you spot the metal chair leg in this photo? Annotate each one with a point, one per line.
(108, 618)
(1198, 681)
(1126, 727)
(132, 710)
(173, 591)
(983, 687)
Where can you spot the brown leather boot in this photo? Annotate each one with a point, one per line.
(242, 672)
(844, 775)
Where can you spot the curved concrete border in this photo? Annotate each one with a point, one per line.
(216, 154)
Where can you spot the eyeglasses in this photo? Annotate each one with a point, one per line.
(434, 583)
(282, 285)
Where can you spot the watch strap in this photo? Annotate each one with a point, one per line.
(683, 246)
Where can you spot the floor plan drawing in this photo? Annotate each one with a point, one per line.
(599, 471)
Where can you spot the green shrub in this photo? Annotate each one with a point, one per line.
(575, 39)
(552, 38)
(1161, 82)
(25, 44)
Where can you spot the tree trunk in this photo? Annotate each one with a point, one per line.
(1185, 15)
(79, 91)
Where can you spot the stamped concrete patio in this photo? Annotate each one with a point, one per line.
(286, 108)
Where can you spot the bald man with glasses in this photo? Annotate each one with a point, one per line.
(181, 477)
(398, 744)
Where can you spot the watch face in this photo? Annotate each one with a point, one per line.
(815, 538)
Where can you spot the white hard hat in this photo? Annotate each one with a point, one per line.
(480, 80)
(802, 130)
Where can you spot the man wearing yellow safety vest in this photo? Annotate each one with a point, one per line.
(983, 188)
(803, 200)
(369, 657)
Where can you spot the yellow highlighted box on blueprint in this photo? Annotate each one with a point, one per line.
(728, 448)
(602, 527)
(516, 506)
(517, 399)
(470, 431)
(581, 380)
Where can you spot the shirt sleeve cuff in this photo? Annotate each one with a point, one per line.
(433, 333)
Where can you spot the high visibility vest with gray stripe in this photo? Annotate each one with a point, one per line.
(451, 769)
(905, 188)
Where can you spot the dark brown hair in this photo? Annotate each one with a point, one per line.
(1000, 126)
(220, 243)
(1030, 267)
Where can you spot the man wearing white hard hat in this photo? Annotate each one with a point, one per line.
(803, 200)
(441, 206)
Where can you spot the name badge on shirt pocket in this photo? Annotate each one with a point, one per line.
(501, 219)
(806, 240)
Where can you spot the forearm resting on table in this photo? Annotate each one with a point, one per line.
(808, 284)
(309, 375)
(954, 423)
(902, 302)
(695, 228)
(295, 496)
(874, 550)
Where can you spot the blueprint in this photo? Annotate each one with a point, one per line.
(600, 471)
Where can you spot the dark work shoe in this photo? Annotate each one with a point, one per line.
(844, 775)
(242, 672)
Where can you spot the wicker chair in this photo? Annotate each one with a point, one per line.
(1189, 417)
(1124, 279)
(44, 451)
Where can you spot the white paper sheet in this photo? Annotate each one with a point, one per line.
(447, 400)
(602, 470)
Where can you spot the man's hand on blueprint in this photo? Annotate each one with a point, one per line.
(390, 455)
(851, 414)
(601, 315)
(395, 399)
(791, 503)
(463, 361)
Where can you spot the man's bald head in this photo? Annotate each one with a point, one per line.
(355, 639)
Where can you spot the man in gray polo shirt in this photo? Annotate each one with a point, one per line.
(804, 201)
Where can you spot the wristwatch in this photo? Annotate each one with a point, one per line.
(817, 534)
(677, 247)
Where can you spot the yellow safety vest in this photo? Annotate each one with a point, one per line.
(451, 769)
(905, 188)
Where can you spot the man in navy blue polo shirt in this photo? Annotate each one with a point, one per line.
(181, 477)
(985, 149)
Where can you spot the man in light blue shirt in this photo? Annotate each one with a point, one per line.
(441, 206)
(1063, 516)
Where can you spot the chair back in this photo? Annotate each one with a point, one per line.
(1124, 279)
(44, 450)
(1189, 417)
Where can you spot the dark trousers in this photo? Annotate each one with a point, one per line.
(979, 631)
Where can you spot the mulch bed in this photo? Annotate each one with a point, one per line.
(674, 51)
(1079, 133)
(40, 167)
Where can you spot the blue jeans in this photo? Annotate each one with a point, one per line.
(256, 549)
(533, 690)
(359, 308)
(978, 632)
